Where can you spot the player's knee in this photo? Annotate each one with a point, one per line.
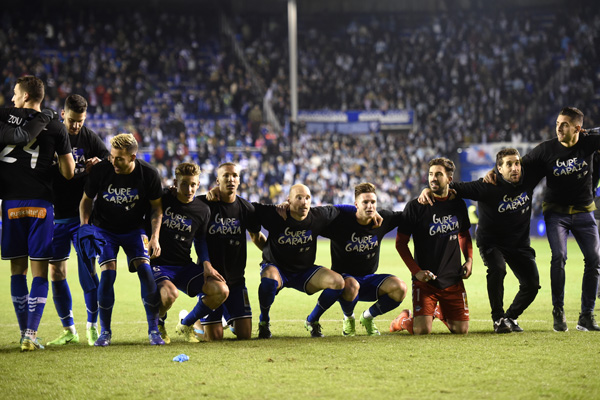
(351, 288)
(421, 330)
(336, 282)
(398, 289)
(459, 327)
(57, 274)
(168, 296)
(222, 292)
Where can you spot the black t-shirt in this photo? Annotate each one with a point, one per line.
(568, 170)
(182, 223)
(355, 247)
(504, 209)
(26, 170)
(123, 200)
(67, 193)
(226, 237)
(435, 232)
(292, 245)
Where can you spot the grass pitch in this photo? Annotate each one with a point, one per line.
(538, 363)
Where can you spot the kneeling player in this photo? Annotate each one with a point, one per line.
(437, 231)
(185, 219)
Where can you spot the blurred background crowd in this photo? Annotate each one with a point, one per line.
(211, 85)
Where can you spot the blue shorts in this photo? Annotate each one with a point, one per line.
(188, 278)
(369, 285)
(297, 280)
(134, 243)
(27, 229)
(65, 233)
(237, 306)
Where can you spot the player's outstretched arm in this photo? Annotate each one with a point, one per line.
(20, 135)
(155, 220)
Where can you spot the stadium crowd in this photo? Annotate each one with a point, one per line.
(470, 77)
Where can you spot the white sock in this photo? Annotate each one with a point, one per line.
(349, 317)
(72, 329)
(367, 314)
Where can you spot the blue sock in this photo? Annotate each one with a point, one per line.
(383, 305)
(20, 296)
(348, 306)
(37, 302)
(266, 296)
(91, 305)
(199, 311)
(91, 302)
(326, 300)
(150, 295)
(106, 298)
(61, 294)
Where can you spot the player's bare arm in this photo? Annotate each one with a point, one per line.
(213, 194)
(89, 163)
(490, 177)
(210, 272)
(259, 239)
(155, 221)
(85, 209)
(66, 165)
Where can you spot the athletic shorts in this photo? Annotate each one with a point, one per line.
(453, 300)
(27, 229)
(297, 280)
(237, 306)
(65, 233)
(369, 285)
(188, 278)
(134, 244)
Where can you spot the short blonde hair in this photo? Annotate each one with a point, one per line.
(187, 169)
(125, 141)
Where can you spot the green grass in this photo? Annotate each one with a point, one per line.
(539, 363)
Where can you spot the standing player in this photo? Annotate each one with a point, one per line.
(503, 235)
(185, 219)
(440, 232)
(568, 206)
(88, 150)
(126, 189)
(290, 252)
(355, 246)
(27, 212)
(231, 217)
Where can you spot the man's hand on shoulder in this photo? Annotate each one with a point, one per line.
(213, 194)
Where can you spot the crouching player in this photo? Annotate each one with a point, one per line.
(355, 244)
(440, 232)
(185, 219)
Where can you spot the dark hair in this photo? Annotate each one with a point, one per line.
(33, 86)
(574, 113)
(506, 152)
(444, 162)
(76, 103)
(364, 187)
